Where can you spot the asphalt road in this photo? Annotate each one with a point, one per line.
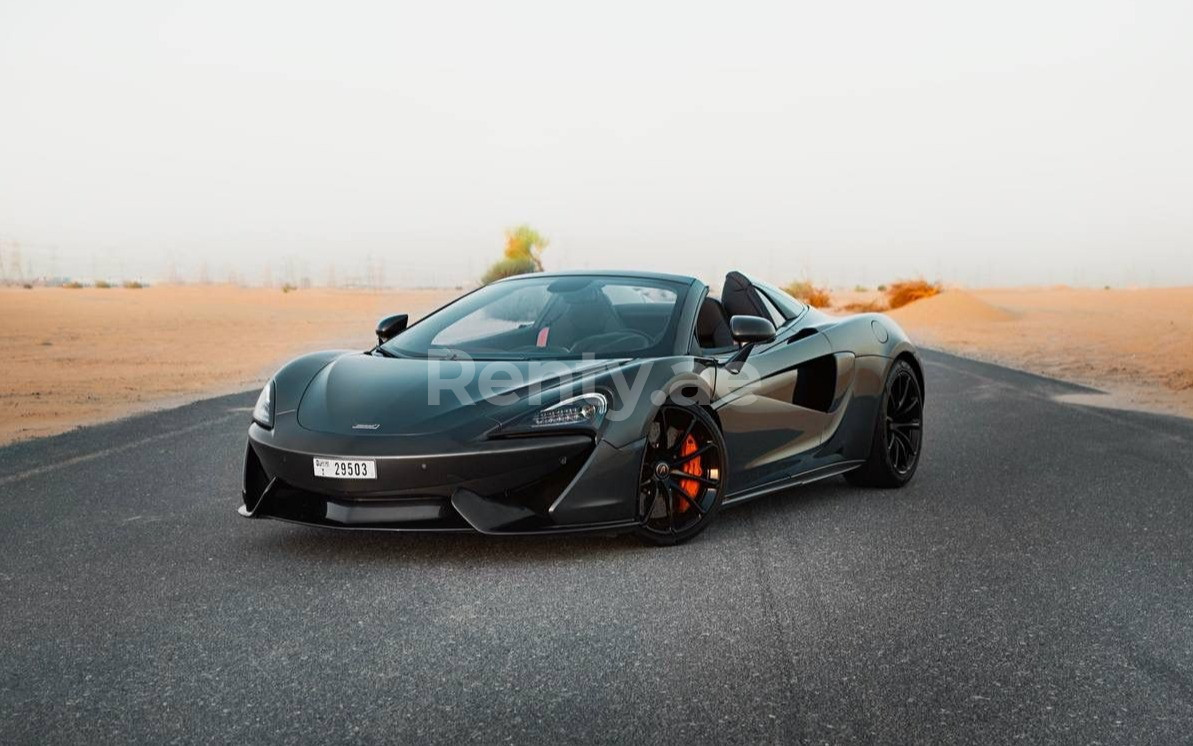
(1035, 583)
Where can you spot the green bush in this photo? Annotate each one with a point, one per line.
(508, 268)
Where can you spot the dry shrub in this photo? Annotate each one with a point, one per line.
(103, 284)
(288, 288)
(132, 285)
(901, 293)
(72, 285)
(809, 293)
(870, 306)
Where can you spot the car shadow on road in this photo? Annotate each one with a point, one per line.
(312, 544)
(440, 549)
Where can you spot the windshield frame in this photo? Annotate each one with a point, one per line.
(666, 346)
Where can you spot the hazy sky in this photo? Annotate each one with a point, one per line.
(987, 143)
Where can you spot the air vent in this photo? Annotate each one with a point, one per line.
(816, 383)
(804, 333)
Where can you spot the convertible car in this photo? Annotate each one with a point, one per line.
(585, 401)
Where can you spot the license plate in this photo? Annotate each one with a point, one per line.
(337, 468)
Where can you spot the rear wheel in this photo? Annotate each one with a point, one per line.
(682, 481)
(898, 432)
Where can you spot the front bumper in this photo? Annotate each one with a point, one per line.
(548, 484)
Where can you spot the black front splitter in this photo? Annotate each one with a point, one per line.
(465, 511)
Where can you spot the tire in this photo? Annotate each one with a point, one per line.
(682, 481)
(898, 432)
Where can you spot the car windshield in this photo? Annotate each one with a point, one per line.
(537, 317)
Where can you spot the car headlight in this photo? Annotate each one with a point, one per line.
(263, 412)
(585, 411)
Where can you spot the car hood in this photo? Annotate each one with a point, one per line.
(363, 394)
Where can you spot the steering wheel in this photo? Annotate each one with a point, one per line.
(603, 342)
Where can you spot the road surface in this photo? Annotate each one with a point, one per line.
(1034, 584)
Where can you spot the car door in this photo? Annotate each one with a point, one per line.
(774, 412)
(767, 433)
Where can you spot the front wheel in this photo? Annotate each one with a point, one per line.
(898, 432)
(682, 482)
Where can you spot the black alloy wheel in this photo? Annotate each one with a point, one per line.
(899, 432)
(682, 481)
(904, 421)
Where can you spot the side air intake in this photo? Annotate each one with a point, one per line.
(816, 383)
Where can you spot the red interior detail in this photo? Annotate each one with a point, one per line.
(542, 339)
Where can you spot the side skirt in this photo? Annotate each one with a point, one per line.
(807, 477)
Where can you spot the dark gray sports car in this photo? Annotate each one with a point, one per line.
(585, 401)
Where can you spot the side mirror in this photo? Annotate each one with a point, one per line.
(391, 326)
(747, 329)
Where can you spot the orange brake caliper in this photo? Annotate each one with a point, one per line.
(689, 486)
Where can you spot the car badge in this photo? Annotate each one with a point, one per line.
(366, 426)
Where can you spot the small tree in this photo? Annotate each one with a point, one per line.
(508, 268)
(525, 242)
(523, 254)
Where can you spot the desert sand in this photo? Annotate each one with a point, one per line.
(74, 357)
(1134, 344)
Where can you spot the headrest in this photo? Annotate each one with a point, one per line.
(740, 298)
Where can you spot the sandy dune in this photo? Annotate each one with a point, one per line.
(1137, 345)
(72, 357)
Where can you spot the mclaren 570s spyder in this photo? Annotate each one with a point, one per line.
(585, 401)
